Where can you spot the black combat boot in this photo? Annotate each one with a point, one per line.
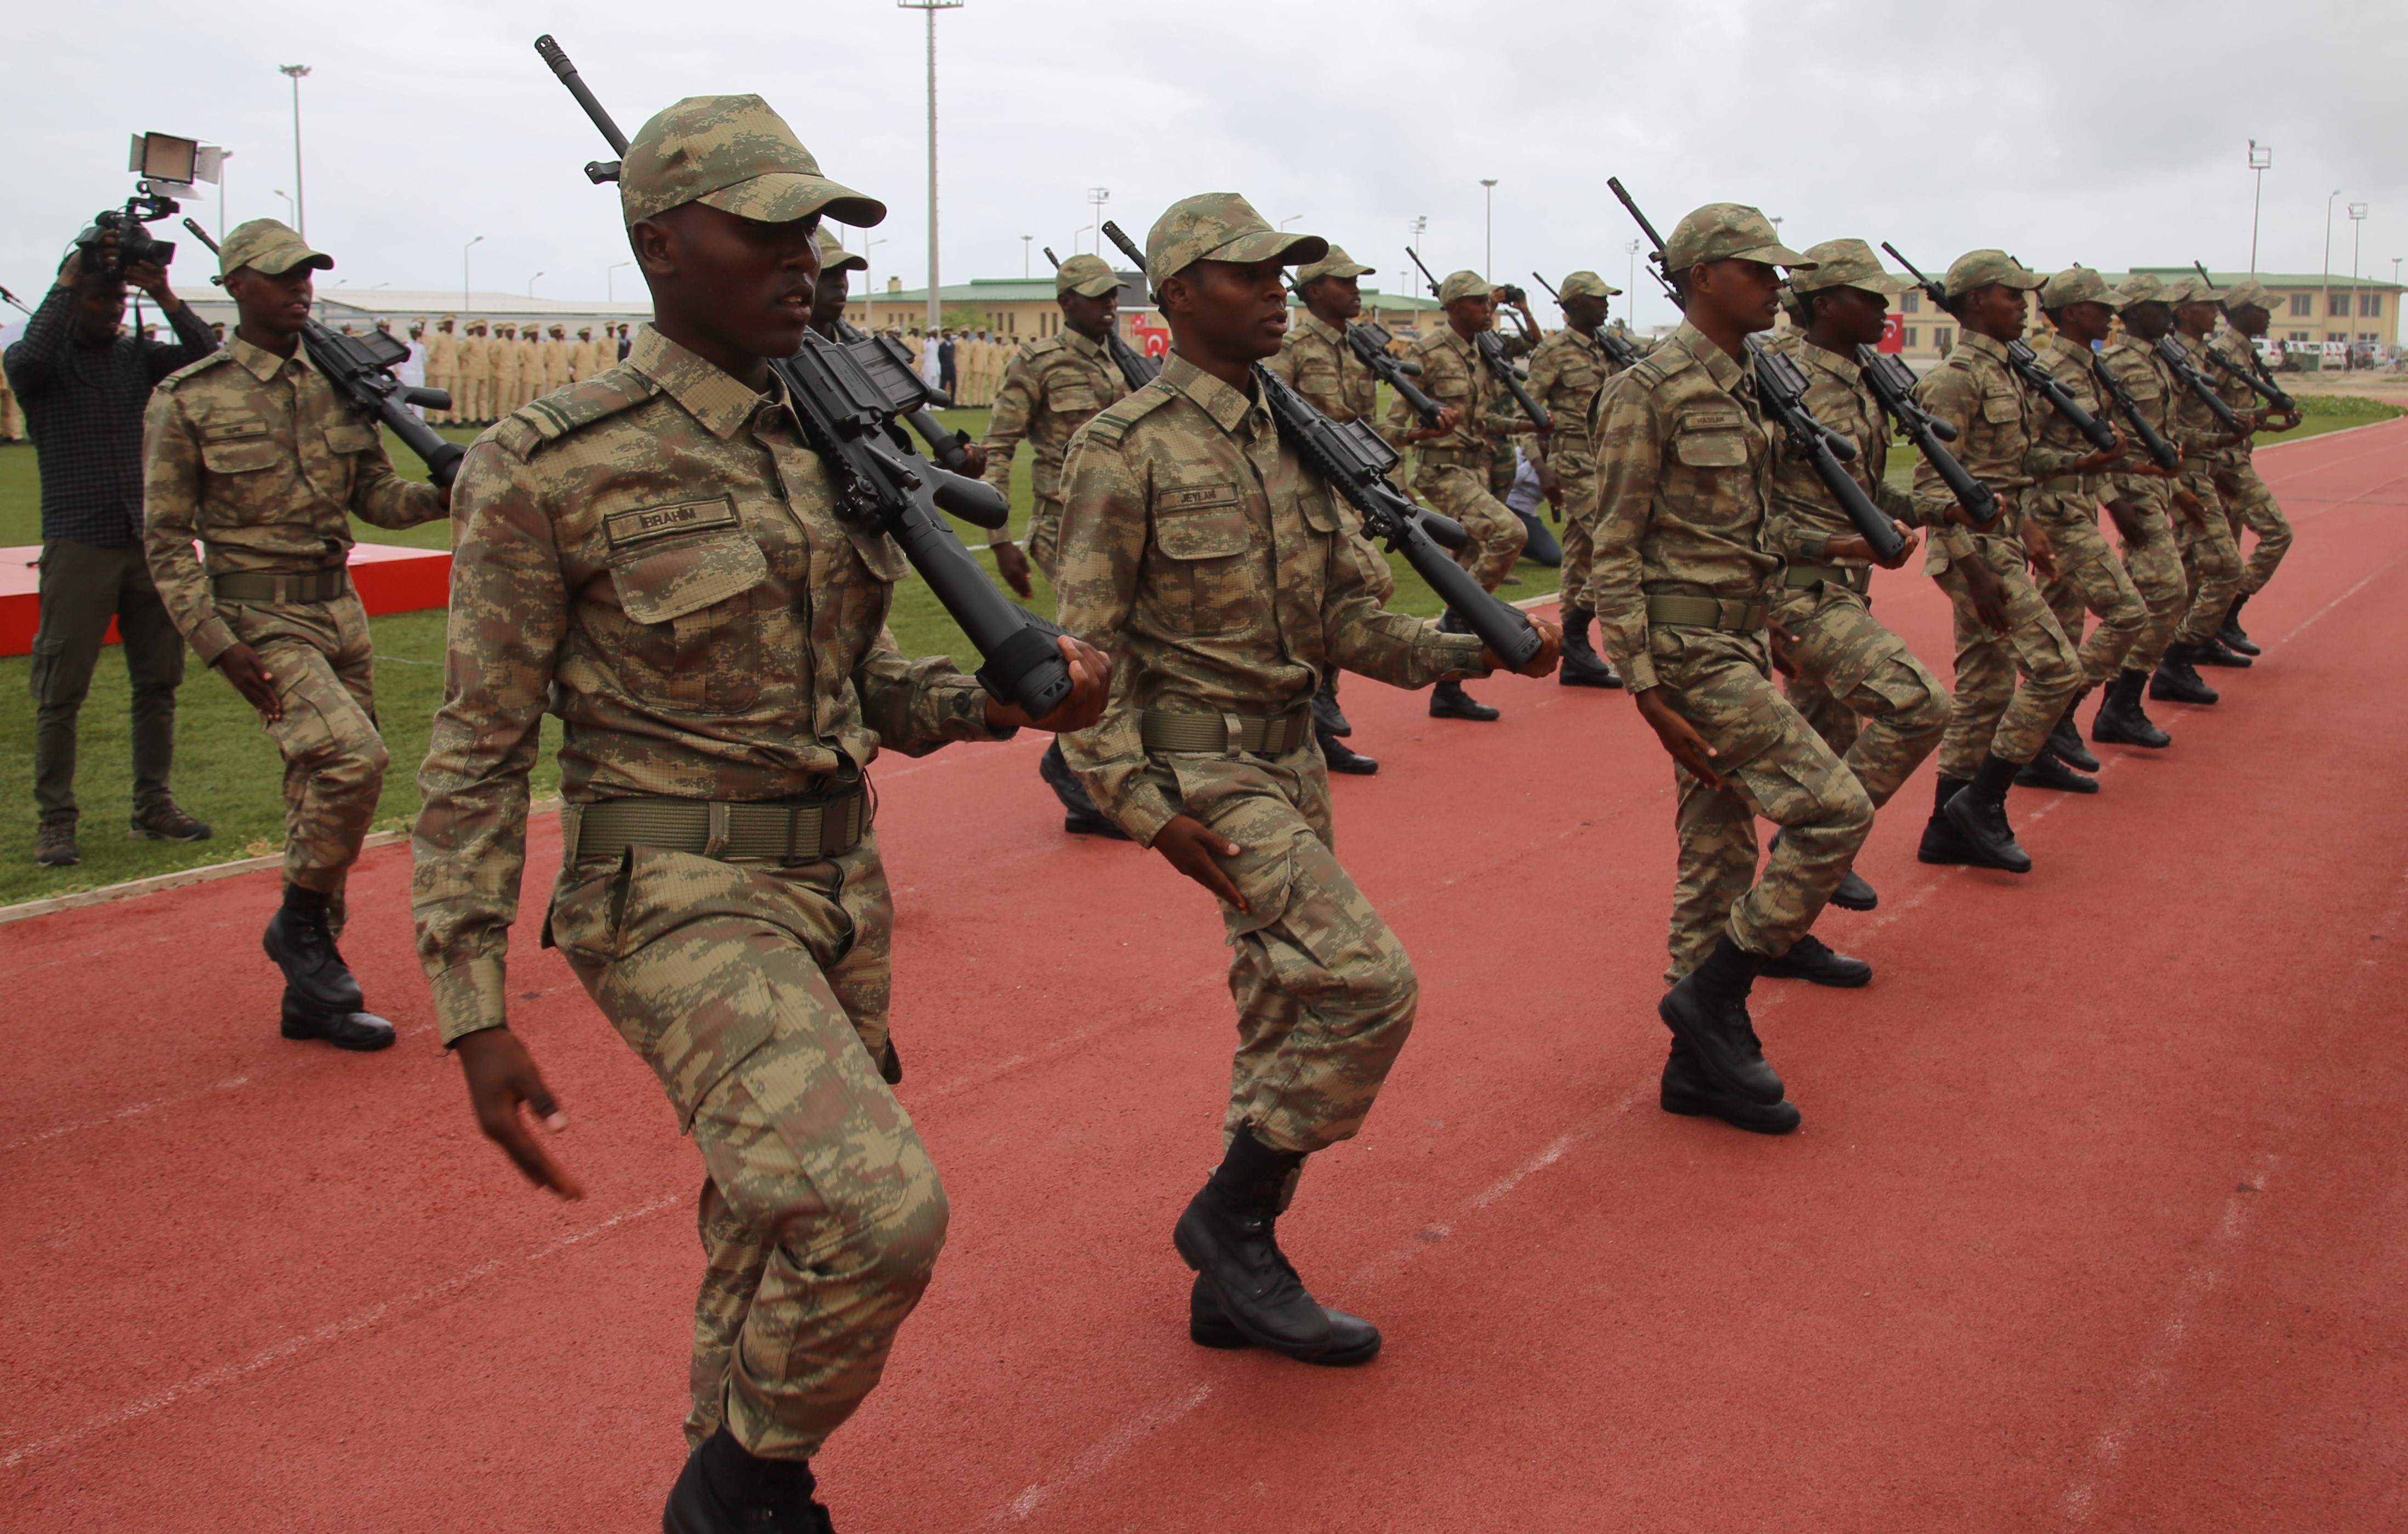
(2121, 721)
(2049, 771)
(298, 940)
(1342, 757)
(1852, 893)
(1080, 816)
(725, 1489)
(1351, 1339)
(1980, 816)
(1229, 1235)
(1583, 666)
(2065, 741)
(1941, 843)
(1688, 1090)
(1325, 717)
(1707, 1010)
(2232, 635)
(2177, 680)
(2211, 651)
(1448, 700)
(1810, 959)
(361, 1031)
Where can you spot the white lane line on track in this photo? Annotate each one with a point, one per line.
(333, 1331)
(1100, 1454)
(2155, 1371)
(129, 1110)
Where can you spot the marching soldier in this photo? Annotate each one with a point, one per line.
(254, 453)
(1678, 584)
(1875, 705)
(1316, 362)
(2210, 554)
(1453, 460)
(2248, 311)
(2004, 628)
(658, 553)
(1050, 391)
(1223, 575)
(1567, 370)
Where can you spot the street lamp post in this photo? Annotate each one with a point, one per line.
(1026, 244)
(2324, 303)
(929, 8)
(1488, 224)
(2357, 228)
(1096, 197)
(295, 71)
(2261, 158)
(610, 293)
(465, 303)
(1630, 288)
(531, 284)
(287, 205)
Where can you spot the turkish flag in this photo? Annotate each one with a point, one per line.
(1892, 335)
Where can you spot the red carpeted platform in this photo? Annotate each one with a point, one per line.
(2098, 1220)
(389, 579)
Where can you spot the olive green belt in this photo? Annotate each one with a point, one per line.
(780, 831)
(300, 586)
(1707, 612)
(1275, 735)
(1856, 577)
(1451, 457)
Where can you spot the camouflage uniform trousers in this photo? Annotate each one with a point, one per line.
(1326, 995)
(319, 655)
(1877, 706)
(1991, 714)
(1460, 490)
(1773, 764)
(2089, 577)
(2211, 559)
(2154, 564)
(2256, 509)
(758, 995)
(1577, 502)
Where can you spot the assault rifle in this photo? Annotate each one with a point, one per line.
(1491, 348)
(2177, 361)
(361, 368)
(1780, 384)
(1618, 350)
(1655, 241)
(2026, 365)
(2255, 375)
(1369, 342)
(847, 396)
(1356, 462)
(943, 441)
(1137, 368)
(1892, 384)
(2168, 456)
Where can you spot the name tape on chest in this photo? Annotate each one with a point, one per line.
(642, 522)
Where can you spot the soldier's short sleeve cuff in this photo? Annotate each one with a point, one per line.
(471, 997)
(211, 638)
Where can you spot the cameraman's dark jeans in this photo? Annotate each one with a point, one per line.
(82, 588)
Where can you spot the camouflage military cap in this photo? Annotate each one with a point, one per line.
(269, 247)
(2250, 294)
(2078, 285)
(735, 154)
(1587, 285)
(2190, 290)
(1336, 263)
(834, 257)
(2142, 288)
(1465, 284)
(1727, 232)
(1086, 276)
(1980, 268)
(1220, 227)
(1846, 264)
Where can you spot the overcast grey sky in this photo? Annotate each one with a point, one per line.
(2104, 133)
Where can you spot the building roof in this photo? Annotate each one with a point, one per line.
(2272, 279)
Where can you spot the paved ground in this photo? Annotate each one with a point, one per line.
(2097, 1220)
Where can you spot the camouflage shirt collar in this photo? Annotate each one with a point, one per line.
(2070, 351)
(710, 395)
(1077, 341)
(1227, 408)
(1836, 364)
(259, 363)
(1719, 364)
(1980, 345)
(1315, 325)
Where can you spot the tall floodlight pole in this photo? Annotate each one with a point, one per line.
(2357, 228)
(1096, 197)
(929, 8)
(1488, 225)
(2324, 303)
(1025, 242)
(295, 71)
(1631, 289)
(2261, 159)
(465, 303)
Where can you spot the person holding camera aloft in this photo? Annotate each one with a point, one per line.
(252, 452)
(84, 387)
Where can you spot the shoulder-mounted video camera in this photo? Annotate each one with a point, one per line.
(168, 167)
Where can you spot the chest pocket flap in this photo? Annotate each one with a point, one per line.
(881, 554)
(237, 447)
(350, 437)
(1199, 521)
(1712, 438)
(2002, 409)
(1073, 395)
(659, 582)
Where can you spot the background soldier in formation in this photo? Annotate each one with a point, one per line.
(1567, 370)
(1224, 578)
(475, 406)
(1050, 391)
(2210, 554)
(2248, 311)
(2138, 496)
(254, 453)
(659, 552)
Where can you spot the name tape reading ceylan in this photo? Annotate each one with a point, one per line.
(647, 521)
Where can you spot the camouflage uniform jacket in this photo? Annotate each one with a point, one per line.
(2069, 363)
(258, 457)
(2137, 366)
(1566, 372)
(1684, 467)
(1049, 391)
(1804, 517)
(1217, 572)
(1451, 374)
(1998, 422)
(2241, 353)
(1316, 362)
(2195, 430)
(654, 556)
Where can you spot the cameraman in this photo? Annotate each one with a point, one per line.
(84, 388)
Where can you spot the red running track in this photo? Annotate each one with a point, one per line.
(2097, 1220)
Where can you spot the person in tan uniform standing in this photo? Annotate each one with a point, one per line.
(556, 374)
(476, 365)
(443, 367)
(506, 372)
(583, 360)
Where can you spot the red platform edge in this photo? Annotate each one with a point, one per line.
(388, 578)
